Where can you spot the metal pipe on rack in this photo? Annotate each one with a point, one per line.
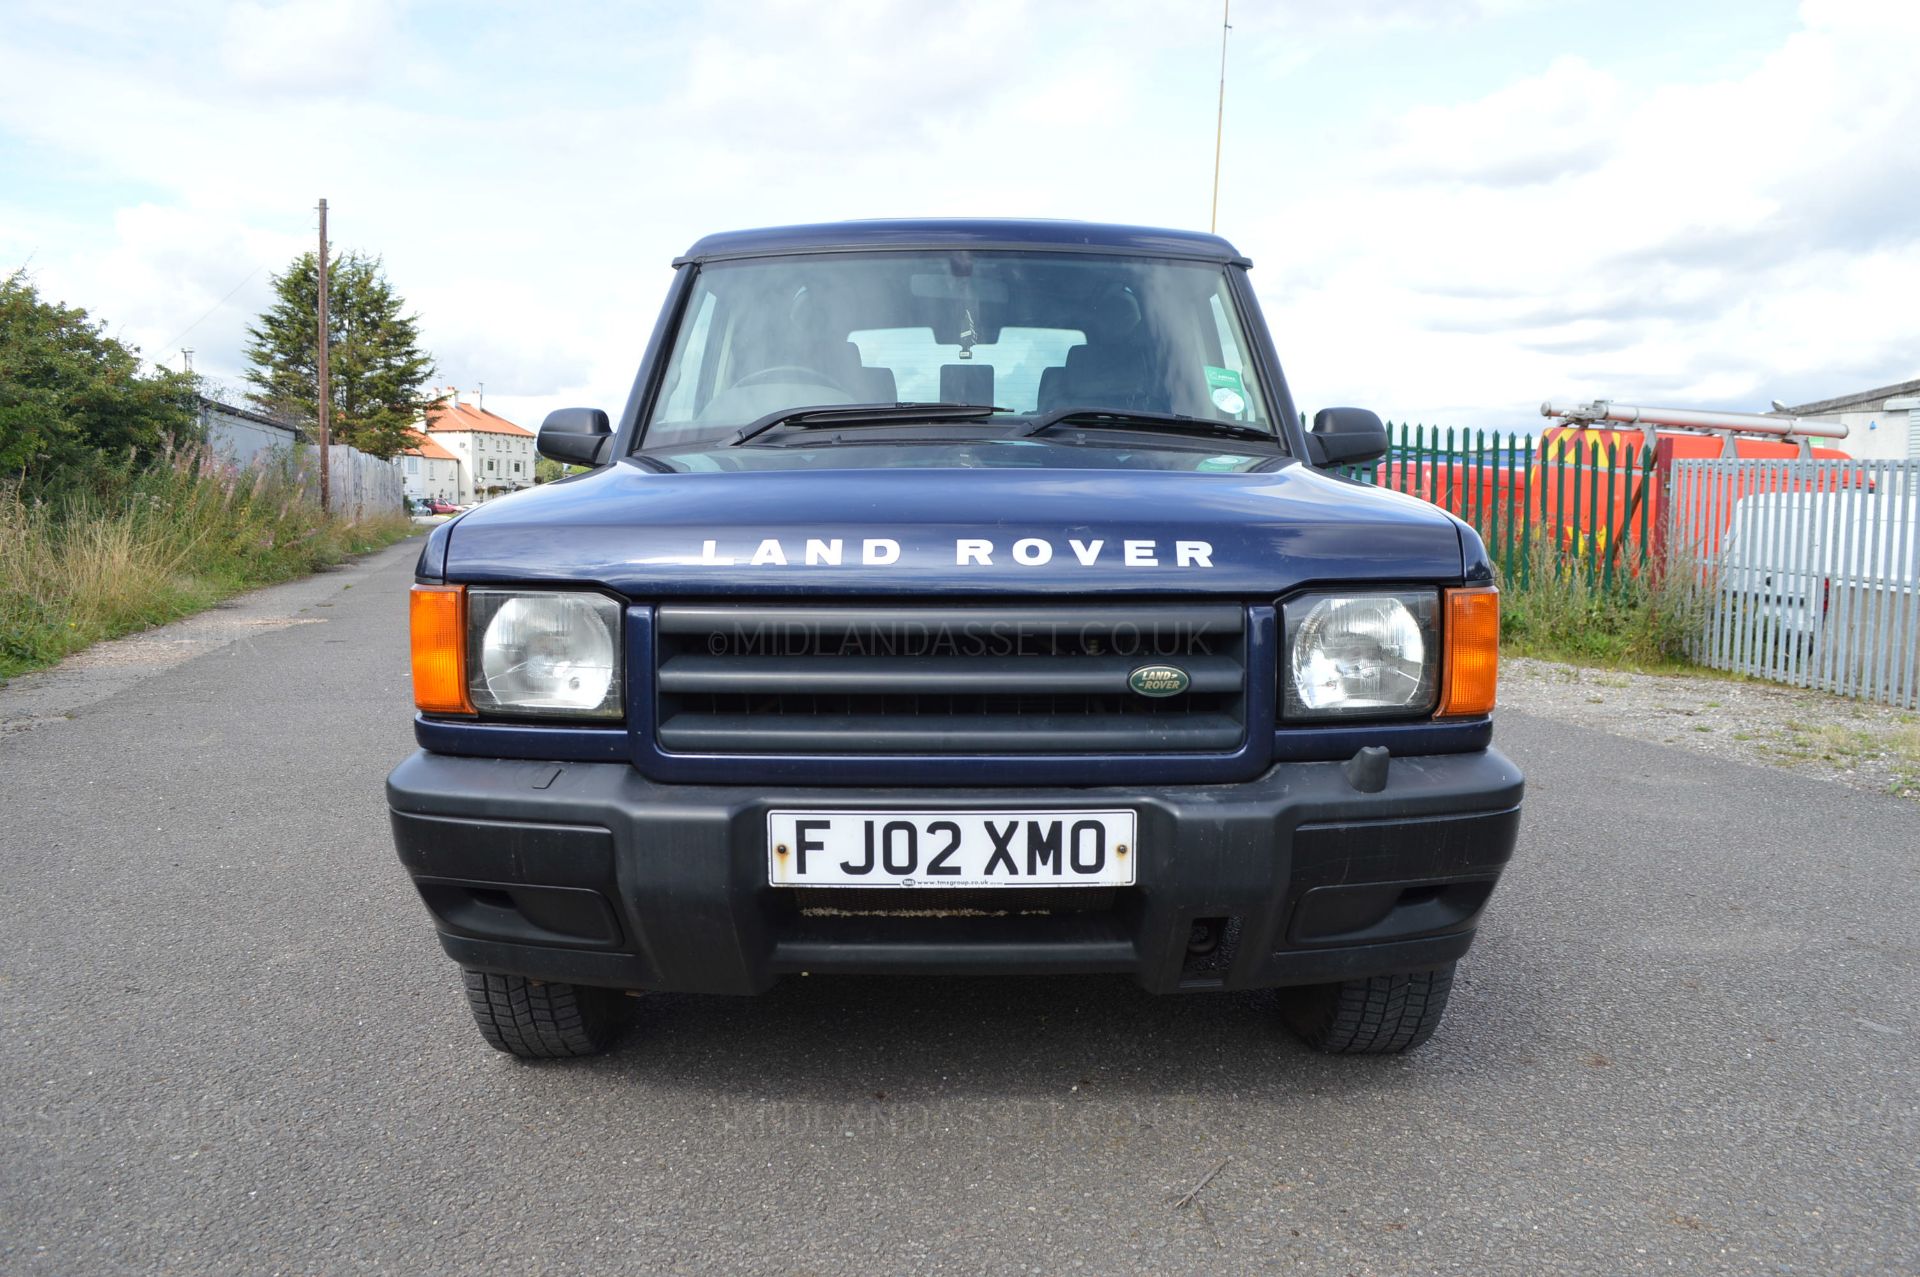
(1602, 410)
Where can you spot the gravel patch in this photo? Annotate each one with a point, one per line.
(1856, 743)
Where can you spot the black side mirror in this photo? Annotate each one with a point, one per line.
(575, 437)
(1346, 437)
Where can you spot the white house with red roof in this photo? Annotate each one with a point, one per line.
(429, 470)
(495, 456)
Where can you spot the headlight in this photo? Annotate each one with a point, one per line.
(1360, 655)
(551, 653)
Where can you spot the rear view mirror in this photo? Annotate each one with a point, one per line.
(1346, 437)
(575, 437)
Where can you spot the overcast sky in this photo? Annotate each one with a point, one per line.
(1456, 208)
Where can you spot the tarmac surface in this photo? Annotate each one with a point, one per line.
(1685, 1040)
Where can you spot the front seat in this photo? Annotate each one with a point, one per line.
(1105, 376)
(840, 361)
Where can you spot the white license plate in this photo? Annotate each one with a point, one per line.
(951, 848)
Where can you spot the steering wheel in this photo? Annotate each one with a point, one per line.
(789, 373)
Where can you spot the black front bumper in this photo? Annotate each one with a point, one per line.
(591, 874)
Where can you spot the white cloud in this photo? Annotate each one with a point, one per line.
(1559, 124)
(301, 45)
(1569, 228)
(1581, 234)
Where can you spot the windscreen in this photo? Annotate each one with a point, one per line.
(1027, 333)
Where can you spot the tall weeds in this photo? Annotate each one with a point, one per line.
(119, 548)
(1557, 610)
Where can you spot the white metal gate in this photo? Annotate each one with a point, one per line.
(1806, 572)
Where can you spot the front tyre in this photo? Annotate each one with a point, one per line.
(1381, 1015)
(541, 1020)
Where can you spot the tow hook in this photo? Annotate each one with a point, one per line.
(1367, 770)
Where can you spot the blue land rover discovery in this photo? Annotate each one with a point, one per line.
(956, 597)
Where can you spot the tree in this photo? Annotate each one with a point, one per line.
(376, 372)
(546, 470)
(70, 394)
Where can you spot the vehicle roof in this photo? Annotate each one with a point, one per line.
(962, 232)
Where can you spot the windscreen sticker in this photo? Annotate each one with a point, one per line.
(1228, 392)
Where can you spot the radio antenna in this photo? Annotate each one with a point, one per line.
(1220, 113)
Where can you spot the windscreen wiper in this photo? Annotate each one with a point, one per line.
(1123, 419)
(860, 414)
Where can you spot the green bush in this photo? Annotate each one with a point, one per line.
(102, 550)
(70, 395)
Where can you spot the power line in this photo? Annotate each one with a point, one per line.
(169, 344)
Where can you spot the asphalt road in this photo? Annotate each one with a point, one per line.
(1685, 1041)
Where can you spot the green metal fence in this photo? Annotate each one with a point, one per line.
(1567, 501)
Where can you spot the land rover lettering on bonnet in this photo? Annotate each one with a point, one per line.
(1031, 552)
(956, 597)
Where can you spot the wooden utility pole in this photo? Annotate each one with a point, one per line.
(323, 404)
(1220, 112)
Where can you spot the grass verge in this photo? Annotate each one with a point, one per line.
(121, 549)
(1637, 622)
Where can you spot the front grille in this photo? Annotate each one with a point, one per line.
(865, 680)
